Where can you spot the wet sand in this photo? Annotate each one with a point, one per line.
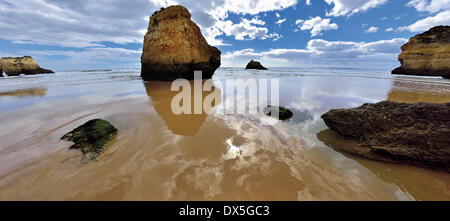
(158, 155)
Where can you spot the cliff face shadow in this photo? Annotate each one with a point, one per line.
(182, 124)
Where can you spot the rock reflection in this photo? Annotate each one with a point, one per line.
(41, 92)
(161, 96)
(421, 184)
(409, 91)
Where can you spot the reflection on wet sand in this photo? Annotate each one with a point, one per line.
(25, 93)
(409, 91)
(161, 96)
(421, 183)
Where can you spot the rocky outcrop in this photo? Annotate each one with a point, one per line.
(91, 137)
(417, 134)
(427, 54)
(255, 65)
(174, 47)
(279, 112)
(21, 65)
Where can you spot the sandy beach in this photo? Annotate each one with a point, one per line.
(158, 155)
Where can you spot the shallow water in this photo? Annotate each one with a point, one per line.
(158, 155)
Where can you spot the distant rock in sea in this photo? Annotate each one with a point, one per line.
(427, 54)
(255, 65)
(174, 47)
(21, 65)
(418, 134)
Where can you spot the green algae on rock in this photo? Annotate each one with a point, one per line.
(283, 113)
(91, 137)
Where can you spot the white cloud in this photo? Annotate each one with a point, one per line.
(350, 7)
(245, 30)
(429, 6)
(322, 51)
(371, 30)
(88, 23)
(280, 21)
(316, 25)
(389, 29)
(308, 2)
(442, 18)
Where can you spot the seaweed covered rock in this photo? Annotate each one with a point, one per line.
(280, 112)
(91, 137)
(417, 134)
(427, 54)
(255, 65)
(174, 47)
(21, 65)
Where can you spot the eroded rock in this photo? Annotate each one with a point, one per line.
(255, 65)
(21, 65)
(427, 54)
(174, 47)
(417, 134)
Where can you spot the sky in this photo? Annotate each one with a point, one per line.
(107, 34)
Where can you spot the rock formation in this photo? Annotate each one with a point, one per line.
(21, 65)
(174, 47)
(91, 137)
(427, 54)
(417, 134)
(281, 112)
(255, 65)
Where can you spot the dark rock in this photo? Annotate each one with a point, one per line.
(255, 65)
(174, 47)
(417, 134)
(283, 113)
(91, 137)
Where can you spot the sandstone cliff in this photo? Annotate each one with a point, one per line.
(21, 65)
(427, 54)
(417, 134)
(174, 47)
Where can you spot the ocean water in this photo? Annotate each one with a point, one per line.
(158, 155)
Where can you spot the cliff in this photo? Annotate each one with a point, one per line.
(174, 47)
(427, 54)
(21, 65)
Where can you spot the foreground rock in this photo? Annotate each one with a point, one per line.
(21, 65)
(255, 65)
(417, 134)
(174, 47)
(281, 112)
(91, 137)
(427, 54)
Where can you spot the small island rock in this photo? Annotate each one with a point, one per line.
(174, 47)
(21, 65)
(427, 54)
(255, 65)
(418, 134)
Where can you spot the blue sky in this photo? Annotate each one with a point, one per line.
(98, 34)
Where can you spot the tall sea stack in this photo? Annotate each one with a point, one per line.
(174, 47)
(427, 54)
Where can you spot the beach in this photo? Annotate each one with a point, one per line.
(158, 155)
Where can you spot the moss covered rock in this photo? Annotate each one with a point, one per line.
(91, 137)
(283, 113)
